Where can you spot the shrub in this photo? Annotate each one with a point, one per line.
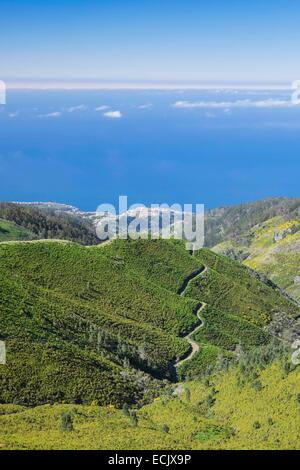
(257, 385)
(125, 410)
(286, 368)
(165, 428)
(210, 400)
(66, 422)
(133, 419)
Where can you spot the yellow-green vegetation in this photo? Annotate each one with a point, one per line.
(160, 261)
(92, 335)
(273, 249)
(84, 322)
(103, 322)
(242, 293)
(252, 405)
(234, 222)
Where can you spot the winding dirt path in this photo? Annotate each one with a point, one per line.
(181, 291)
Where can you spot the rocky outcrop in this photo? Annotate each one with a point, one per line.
(281, 234)
(285, 328)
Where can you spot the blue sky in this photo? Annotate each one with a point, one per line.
(138, 40)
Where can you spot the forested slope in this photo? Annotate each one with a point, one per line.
(37, 224)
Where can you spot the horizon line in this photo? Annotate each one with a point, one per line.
(145, 85)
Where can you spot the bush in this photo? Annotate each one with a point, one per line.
(133, 419)
(165, 428)
(210, 400)
(286, 368)
(125, 410)
(66, 422)
(257, 385)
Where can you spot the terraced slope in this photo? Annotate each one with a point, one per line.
(84, 323)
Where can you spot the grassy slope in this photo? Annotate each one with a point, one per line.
(11, 231)
(115, 302)
(237, 417)
(242, 293)
(278, 260)
(226, 285)
(164, 263)
(81, 300)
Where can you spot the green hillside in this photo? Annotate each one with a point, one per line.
(232, 222)
(239, 306)
(105, 322)
(252, 405)
(60, 300)
(271, 248)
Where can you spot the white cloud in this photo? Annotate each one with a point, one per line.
(81, 107)
(269, 103)
(101, 108)
(113, 114)
(50, 115)
(144, 106)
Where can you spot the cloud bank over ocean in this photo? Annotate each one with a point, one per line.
(246, 103)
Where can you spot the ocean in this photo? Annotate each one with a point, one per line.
(87, 147)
